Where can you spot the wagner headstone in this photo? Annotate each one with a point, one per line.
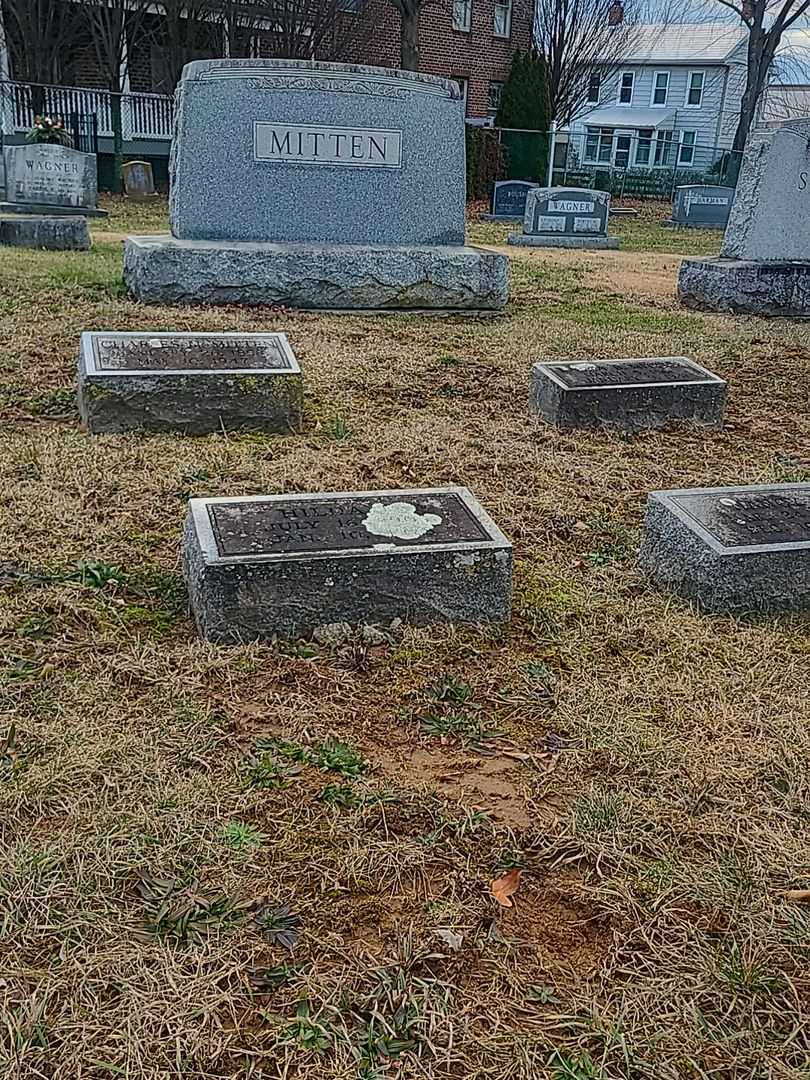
(701, 206)
(189, 382)
(139, 179)
(508, 202)
(316, 185)
(566, 217)
(282, 565)
(731, 548)
(50, 179)
(764, 263)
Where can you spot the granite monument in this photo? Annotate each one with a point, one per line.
(508, 202)
(260, 567)
(190, 382)
(44, 178)
(701, 206)
(139, 179)
(316, 185)
(731, 549)
(626, 395)
(764, 263)
(566, 217)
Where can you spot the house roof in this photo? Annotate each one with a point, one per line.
(683, 43)
(623, 116)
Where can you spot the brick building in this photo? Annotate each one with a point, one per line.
(471, 41)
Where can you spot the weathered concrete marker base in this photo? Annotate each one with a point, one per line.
(732, 549)
(165, 270)
(52, 211)
(629, 395)
(261, 567)
(48, 233)
(745, 286)
(195, 383)
(594, 243)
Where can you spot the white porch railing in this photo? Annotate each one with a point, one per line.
(143, 116)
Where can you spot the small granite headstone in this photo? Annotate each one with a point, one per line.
(732, 549)
(44, 178)
(44, 232)
(260, 567)
(190, 382)
(566, 217)
(139, 179)
(764, 263)
(316, 185)
(701, 206)
(629, 395)
(508, 202)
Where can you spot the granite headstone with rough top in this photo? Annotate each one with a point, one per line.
(316, 185)
(45, 178)
(764, 263)
(566, 217)
(265, 566)
(731, 549)
(189, 382)
(701, 206)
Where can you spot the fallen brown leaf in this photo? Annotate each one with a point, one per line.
(797, 894)
(504, 887)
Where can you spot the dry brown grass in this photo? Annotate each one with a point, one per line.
(662, 810)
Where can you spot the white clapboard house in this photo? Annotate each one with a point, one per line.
(672, 104)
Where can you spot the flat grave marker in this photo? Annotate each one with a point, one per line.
(566, 217)
(626, 394)
(191, 382)
(260, 567)
(731, 548)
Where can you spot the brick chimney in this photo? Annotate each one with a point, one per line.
(616, 13)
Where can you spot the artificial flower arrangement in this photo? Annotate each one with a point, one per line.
(49, 129)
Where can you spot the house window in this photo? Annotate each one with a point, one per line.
(502, 23)
(644, 146)
(686, 154)
(694, 88)
(626, 88)
(599, 145)
(665, 147)
(494, 96)
(594, 85)
(463, 85)
(462, 14)
(660, 88)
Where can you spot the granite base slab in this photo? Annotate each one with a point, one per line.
(51, 210)
(281, 566)
(733, 549)
(165, 270)
(745, 287)
(593, 243)
(714, 226)
(45, 233)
